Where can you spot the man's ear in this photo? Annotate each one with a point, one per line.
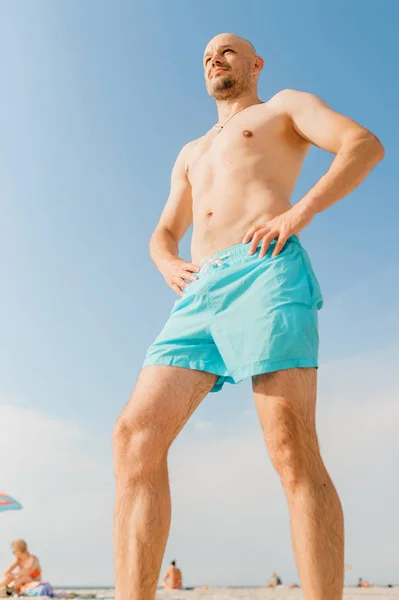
(259, 64)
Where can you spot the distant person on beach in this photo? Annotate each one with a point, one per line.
(274, 580)
(23, 570)
(172, 579)
(247, 307)
(364, 584)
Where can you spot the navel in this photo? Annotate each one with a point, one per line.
(247, 133)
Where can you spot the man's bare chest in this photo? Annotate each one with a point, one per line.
(238, 143)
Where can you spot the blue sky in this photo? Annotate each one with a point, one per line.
(98, 98)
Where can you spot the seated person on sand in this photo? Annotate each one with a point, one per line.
(25, 568)
(274, 580)
(364, 584)
(172, 579)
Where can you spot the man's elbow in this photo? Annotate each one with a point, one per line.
(380, 151)
(161, 237)
(373, 145)
(163, 232)
(378, 148)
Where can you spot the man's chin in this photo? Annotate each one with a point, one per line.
(223, 94)
(220, 92)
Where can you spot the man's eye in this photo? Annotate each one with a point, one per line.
(227, 50)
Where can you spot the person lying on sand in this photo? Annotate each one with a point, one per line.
(172, 579)
(24, 569)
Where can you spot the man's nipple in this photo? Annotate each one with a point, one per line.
(247, 133)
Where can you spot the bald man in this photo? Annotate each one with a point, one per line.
(247, 307)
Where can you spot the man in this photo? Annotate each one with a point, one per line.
(248, 308)
(172, 579)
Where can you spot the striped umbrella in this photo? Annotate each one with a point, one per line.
(8, 503)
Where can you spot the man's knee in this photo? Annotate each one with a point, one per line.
(293, 448)
(283, 450)
(138, 450)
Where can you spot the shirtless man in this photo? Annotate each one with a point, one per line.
(172, 579)
(23, 570)
(247, 308)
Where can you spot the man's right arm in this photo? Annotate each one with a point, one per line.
(176, 218)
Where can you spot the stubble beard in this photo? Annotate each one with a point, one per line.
(228, 88)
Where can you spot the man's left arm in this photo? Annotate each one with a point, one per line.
(356, 150)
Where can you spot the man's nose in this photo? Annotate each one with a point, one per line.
(217, 61)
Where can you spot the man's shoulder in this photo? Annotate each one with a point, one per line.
(187, 148)
(287, 98)
(186, 151)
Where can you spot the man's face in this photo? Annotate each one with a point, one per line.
(228, 67)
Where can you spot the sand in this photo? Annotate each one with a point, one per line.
(272, 594)
(375, 593)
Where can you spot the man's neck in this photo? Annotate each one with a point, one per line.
(227, 108)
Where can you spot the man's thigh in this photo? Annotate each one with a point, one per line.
(286, 405)
(164, 399)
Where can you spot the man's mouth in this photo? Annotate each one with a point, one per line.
(221, 69)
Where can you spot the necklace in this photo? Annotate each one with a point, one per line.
(220, 127)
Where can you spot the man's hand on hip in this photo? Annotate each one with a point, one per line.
(178, 274)
(280, 228)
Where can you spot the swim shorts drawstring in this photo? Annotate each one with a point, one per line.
(212, 261)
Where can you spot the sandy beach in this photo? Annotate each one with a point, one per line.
(272, 594)
(380, 593)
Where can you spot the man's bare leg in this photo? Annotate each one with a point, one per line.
(162, 402)
(286, 403)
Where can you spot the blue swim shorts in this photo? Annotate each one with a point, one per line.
(244, 315)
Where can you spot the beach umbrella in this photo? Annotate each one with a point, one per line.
(8, 503)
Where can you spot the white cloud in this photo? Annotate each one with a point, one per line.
(62, 475)
(202, 426)
(230, 520)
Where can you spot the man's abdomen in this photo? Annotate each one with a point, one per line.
(223, 217)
